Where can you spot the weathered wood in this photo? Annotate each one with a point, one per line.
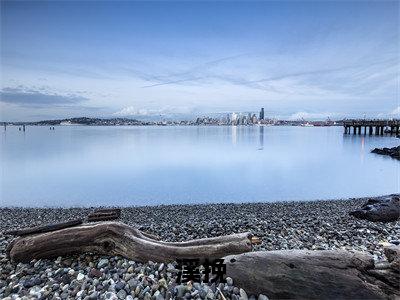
(151, 236)
(392, 253)
(379, 125)
(114, 238)
(107, 210)
(44, 228)
(304, 274)
(104, 215)
(382, 209)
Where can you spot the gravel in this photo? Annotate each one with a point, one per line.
(283, 225)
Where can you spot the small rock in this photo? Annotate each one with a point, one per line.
(28, 283)
(121, 294)
(229, 281)
(80, 277)
(243, 295)
(180, 290)
(35, 292)
(94, 295)
(71, 272)
(95, 273)
(110, 296)
(102, 263)
(161, 267)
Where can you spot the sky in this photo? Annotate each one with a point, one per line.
(297, 59)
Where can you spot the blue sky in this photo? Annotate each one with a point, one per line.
(296, 59)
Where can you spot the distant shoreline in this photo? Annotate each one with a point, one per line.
(199, 121)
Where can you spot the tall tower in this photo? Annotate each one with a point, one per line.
(262, 114)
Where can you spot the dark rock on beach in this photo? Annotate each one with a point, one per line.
(392, 152)
(382, 209)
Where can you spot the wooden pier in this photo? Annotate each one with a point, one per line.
(377, 127)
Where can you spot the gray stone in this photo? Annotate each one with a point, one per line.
(35, 292)
(262, 297)
(133, 283)
(94, 295)
(161, 267)
(180, 290)
(110, 296)
(28, 283)
(119, 286)
(80, 277)
(121, 294)
(229, 281)
(243, 295)
(102, 263)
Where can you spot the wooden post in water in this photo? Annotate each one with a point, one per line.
(380, 127)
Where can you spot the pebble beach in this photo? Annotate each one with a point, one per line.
(314, 225)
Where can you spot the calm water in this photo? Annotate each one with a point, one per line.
(76, 165)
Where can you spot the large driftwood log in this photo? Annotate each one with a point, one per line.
(303, 274)
(382, 209)
(113, 238)
(44, 228)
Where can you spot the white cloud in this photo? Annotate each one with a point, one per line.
(132, 111)
(306, 115)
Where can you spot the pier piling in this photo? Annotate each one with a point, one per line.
(377, 127)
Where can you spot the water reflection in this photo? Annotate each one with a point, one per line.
(261, 136)
(362, 149)
(234, 134)
(154, 165)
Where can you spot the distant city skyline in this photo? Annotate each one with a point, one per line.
(311, 59)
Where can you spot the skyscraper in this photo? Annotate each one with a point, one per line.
(262, 114)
